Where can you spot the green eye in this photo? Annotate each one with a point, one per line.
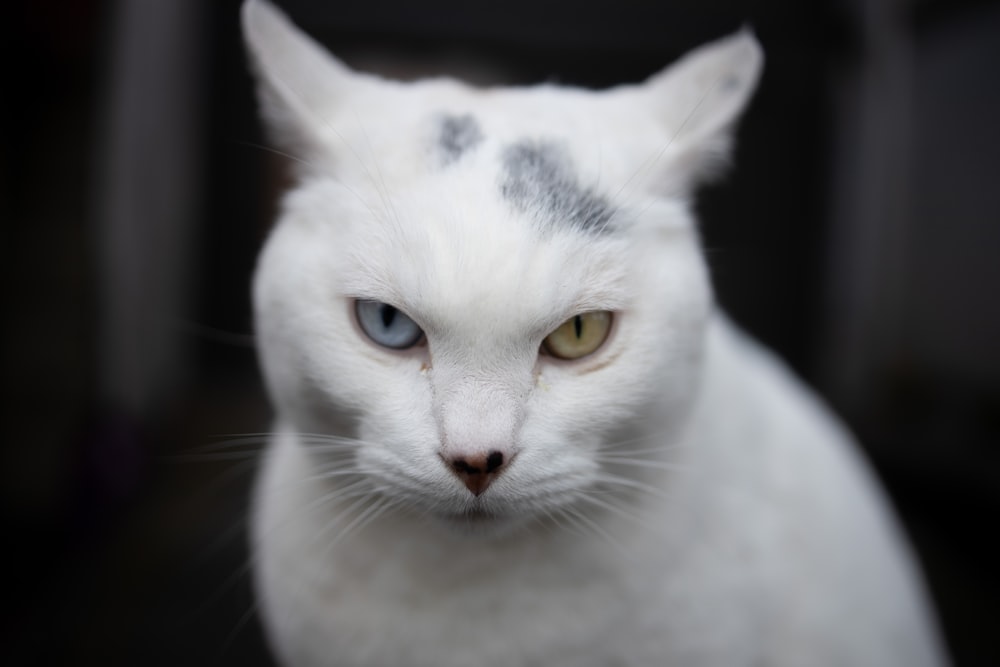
(579, 336)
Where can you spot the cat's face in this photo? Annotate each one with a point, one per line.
(486, 292)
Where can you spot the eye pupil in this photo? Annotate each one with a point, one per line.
(388, 314)
(578, 326)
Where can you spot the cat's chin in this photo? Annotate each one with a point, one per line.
(481, 523)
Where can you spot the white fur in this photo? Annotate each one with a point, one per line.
(674, 499)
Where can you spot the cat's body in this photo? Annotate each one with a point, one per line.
(771, 554)
(450, 484)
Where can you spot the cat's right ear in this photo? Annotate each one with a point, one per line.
(298, 82)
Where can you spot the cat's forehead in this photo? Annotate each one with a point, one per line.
(486, 202)
(550, 160)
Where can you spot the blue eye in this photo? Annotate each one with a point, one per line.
(387, 325)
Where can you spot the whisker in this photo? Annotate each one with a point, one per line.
(340, 493)
(363, 499)
(228, 443)
(331, 472)
(657, 437)
(271, 149)
(642, 463)
(618, 482)
(594, 527)
(315, 441)
(241, 624)
(373, 512)
(611, 507)
(227, 585)
(562, 518)
(206, 458)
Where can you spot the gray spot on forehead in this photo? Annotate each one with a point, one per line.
(537, 179)
(457, 135)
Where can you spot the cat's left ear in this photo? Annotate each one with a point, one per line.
(298, 82)
(699, 98)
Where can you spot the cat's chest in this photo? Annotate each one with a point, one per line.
(381, 608)
(470, 609)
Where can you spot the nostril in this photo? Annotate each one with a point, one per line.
(494, 461)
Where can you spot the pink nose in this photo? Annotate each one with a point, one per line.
(478, 472)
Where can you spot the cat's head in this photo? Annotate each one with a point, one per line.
(496, 295)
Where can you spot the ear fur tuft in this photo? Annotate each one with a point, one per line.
(699, 99)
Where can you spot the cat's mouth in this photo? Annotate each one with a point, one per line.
(477, 518)
(475, 515)
(476, 521)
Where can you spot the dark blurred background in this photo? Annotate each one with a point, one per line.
(856, 236)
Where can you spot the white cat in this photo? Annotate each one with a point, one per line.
(512, 427)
